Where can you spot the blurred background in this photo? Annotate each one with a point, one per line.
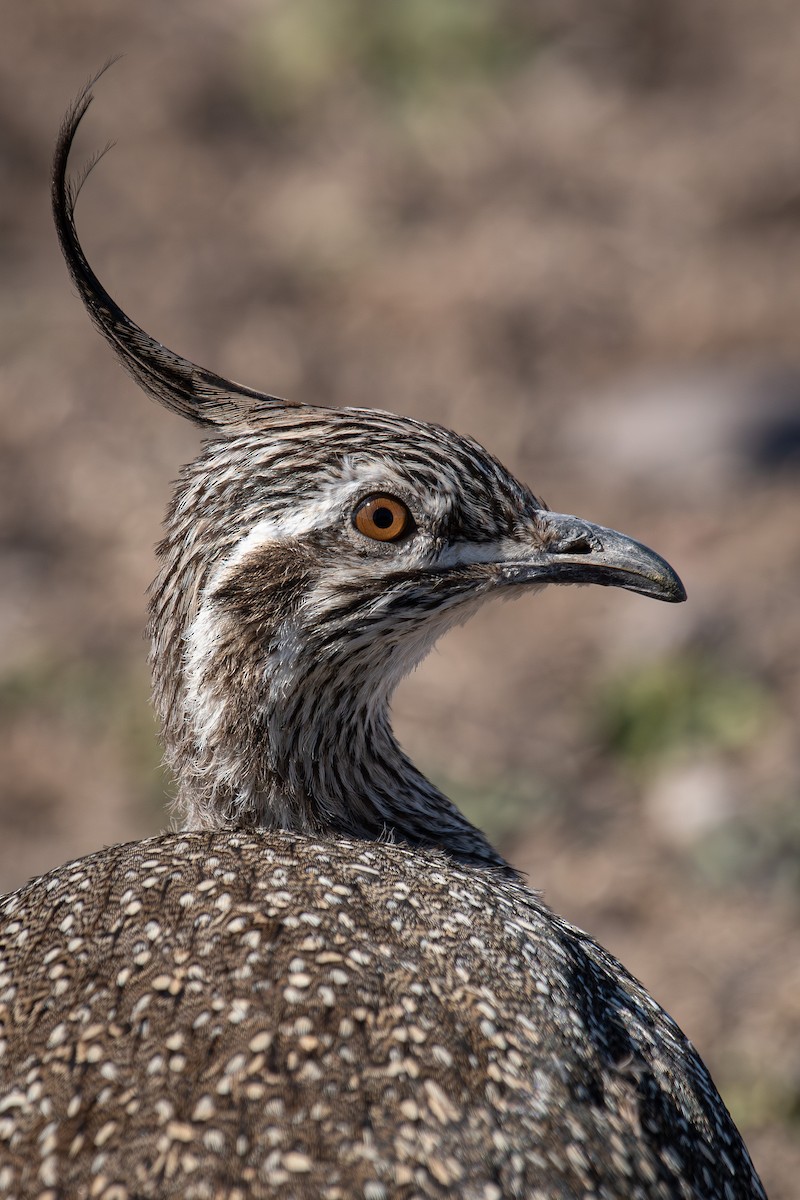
(571, 230)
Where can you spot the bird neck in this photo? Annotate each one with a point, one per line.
(266, 726)
(321, 769)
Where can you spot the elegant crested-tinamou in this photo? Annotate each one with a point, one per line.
(327, 983)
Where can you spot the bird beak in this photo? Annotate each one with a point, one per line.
(574, 551)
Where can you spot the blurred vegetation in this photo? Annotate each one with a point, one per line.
(690, 708)
(404, 52)
(670, 707)
(761, 847)
(500, 807)
(755, 1100)
(107, 699)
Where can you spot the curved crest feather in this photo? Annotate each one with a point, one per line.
(178, 384)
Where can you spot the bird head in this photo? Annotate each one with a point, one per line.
(311, 558)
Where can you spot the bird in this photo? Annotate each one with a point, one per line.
(324, 981)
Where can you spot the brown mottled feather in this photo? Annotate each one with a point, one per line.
(329, 1018)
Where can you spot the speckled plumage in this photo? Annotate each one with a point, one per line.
(329, 984)
(331, 1018)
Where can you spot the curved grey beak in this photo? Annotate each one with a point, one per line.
(575, 551)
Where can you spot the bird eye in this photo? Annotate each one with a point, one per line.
(383, 518)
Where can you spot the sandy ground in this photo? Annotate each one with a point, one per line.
(572, 233)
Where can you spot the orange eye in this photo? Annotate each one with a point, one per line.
(383, 518)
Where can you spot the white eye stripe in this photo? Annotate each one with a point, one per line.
(293, 524)
(326, 510)
(459, 554)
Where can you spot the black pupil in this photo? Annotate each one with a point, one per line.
(383, 518)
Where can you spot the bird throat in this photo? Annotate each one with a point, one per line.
(272, 720)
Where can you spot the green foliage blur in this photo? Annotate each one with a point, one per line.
(667, 708)
(404, 51)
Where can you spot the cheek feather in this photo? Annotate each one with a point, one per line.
(202, 706)
(243, 630)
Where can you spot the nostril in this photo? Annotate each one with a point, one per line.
(577, 545)
(574, 540)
